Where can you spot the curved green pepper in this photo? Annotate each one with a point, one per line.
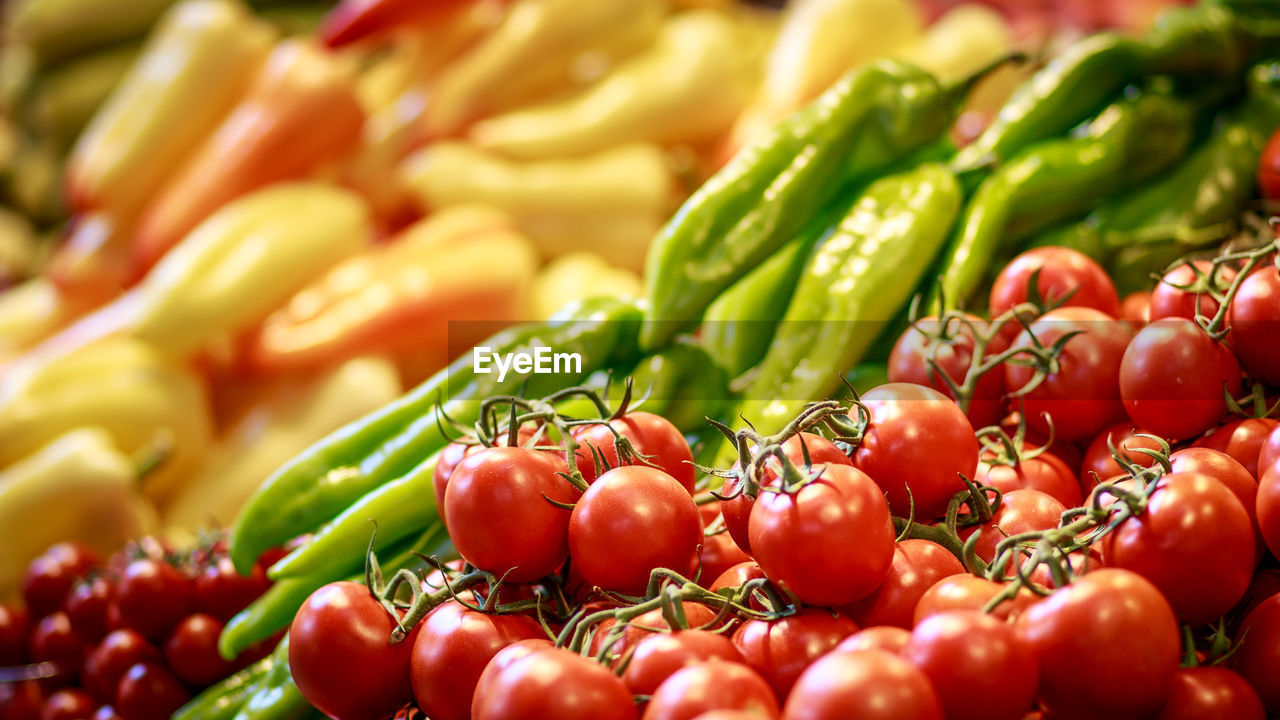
(276, 697)
(223, 700)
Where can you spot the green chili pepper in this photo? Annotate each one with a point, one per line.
(856, 282)
(1128, 142)
(276, 697)
(222, 700)
(862, 126)
(682, 383)
(325, 479)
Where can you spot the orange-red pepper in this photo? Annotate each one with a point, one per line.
(352, 21)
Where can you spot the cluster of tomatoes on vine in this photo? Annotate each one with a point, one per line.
(131, 638)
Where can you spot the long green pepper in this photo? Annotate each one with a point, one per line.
(223, 700)
(276, 696)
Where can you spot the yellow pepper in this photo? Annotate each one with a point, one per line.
(144, 399)
(245, 260)
(688, 88)
(29, 312)
(577, 276)
(964, 40)
(78, 487)
(611, 202)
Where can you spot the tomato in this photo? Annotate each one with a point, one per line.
(1135, 308)
(1099, 466)
(53, 640)
(1044, 472)
(1242, 439)
(915, 448)
(652, 436)
(113, 656)
(1108, 624)
(1194, 542)
(863, 684)
(68, 704)
(340, 656)
(916, 566)
(1211, 692)
(453, 646)
(1083, 396)
(909, 362)
(719, 553)
(149, 692)
(87, 605)
(1167, 300)
(1267, 507)
(152, 597)
(498, 515)
(1226, 470)
(50, 576)
(14, 626)
(889, 638)
(1173, 378)
(1254, 316)
(454, 452)
(1257, 652)
(554, 683)
(1020, 511)
(795, 537)
(21, 700)
(500, 662)
(1065, 450)
(1062, 271)
(737, 576)
(730, 715)
(970, 592)
(1269, 169)
(658, 656)
(711, 685)
(781, 649)
(697, 615)
(631, 520)
(106, 712)
(192, 650)
(222, 592)
(1269, 453)
(967, 655)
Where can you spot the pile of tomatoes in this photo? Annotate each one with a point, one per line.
(127, 639)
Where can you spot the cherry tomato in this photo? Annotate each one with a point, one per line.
(51, 576)
(1123, 626)
(554, 683)
(895, 453)
(152, 597)
(794, 536)
(192, 650)
(14, 626)
(68, 704)
(505, 658)
(106, 712)
(967, 655)
(1226, 470)
(498, 514)
(1135, 309)
(863, 683)
(1269, 453)
(1211, 692)
(970, 592)
(222, 592)
(112, 658)
(631, 520)
(1255, 325)
(1062, 271)
(1257, 652)
(737, 576)
(1173, 378)
(1083, 396)
(1269, 169)
(454, 452)
(917, 565)
(1099, 466)
(341, 658)
(1242, 439)
(21, 700)
(699, 616)
(910, 363)
(87, 605)
(1020, 511)
(53, 640)
(888, 638)
(711, 685)
(453, 646)
(781, 649)
(652, 436)
(1267, 507)
(719, 553)
(660, 655)
(1045, 472)
(149, 692)
(1168, 300)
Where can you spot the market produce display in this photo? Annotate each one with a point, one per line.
(640, 359)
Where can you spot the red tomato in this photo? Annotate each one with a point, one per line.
(87, 605)
(888, 638)
(967, 654)
(915, 448)
(192, 650)
(1267, 508)
(1083, 396)
(1168, 300)
(793, 536)
(341, 658)
(1242, 439)
(53, 640)
(51, 576)
(222, 592)
(68, 704)
(500, 662)
(781, 649)
(863, 684)
(1255, 325)
(1062, 271)
(1211, 692)
(554, 683)
(498, 516)
(1269, 453)
(152, 597)
(658, 656)
(652, 436)
(106, 712)
(453, 646)
(1135, 308)
(711, 685)
(737, 576)
(1123, 626)
(719, 553)
(909, 363)
(1044, 472)
(1269, 169)
(631, 520)
(1257, 652)
(149, 692)
(1223, 468)
(112, 658)
(14, 626)
(1020, 511)
(970, 592)
(21, 700)
(916, 566)
(1194, 542)
(454, 452)
(1099, 466)
(699, 617)
(1174, 379)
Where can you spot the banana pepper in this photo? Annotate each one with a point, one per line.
(611, 202)
(461, 268)
(687, 88)
(300, 113)
(246, 260)
(78, 487)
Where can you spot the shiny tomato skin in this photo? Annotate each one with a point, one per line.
(222, 592)
(1194, 542)
(631, 520)
(909, 363)
(719, 553)
(970, 592)
(21, 700)
(652, 436)
(152, 597)
(711, 685)
(15, 624)
(1242, 439)
(453, 646)
(86, 606)
(53, 640)
(917, 439)
(888, 638)
(341, 657)
(1167, 300)
(794, 536)
(1211, 692)
(1020, 511)
(1269, 169)
(781, 649)
(500, 662)
(112, 658)
(148, 691)
(868, 684)
(1099, 466)
(916, 566)
(554, 683)
(1267, 508)
(191, 650)
(1254, 316)
(1135, 308)
(658, 656)
(1223, 468)
(968, 654)
(1269, 453)
(1062, 271)
(1122, 623)
(1045, 472)
(1257, 652)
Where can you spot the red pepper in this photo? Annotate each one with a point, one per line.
(351, 21)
